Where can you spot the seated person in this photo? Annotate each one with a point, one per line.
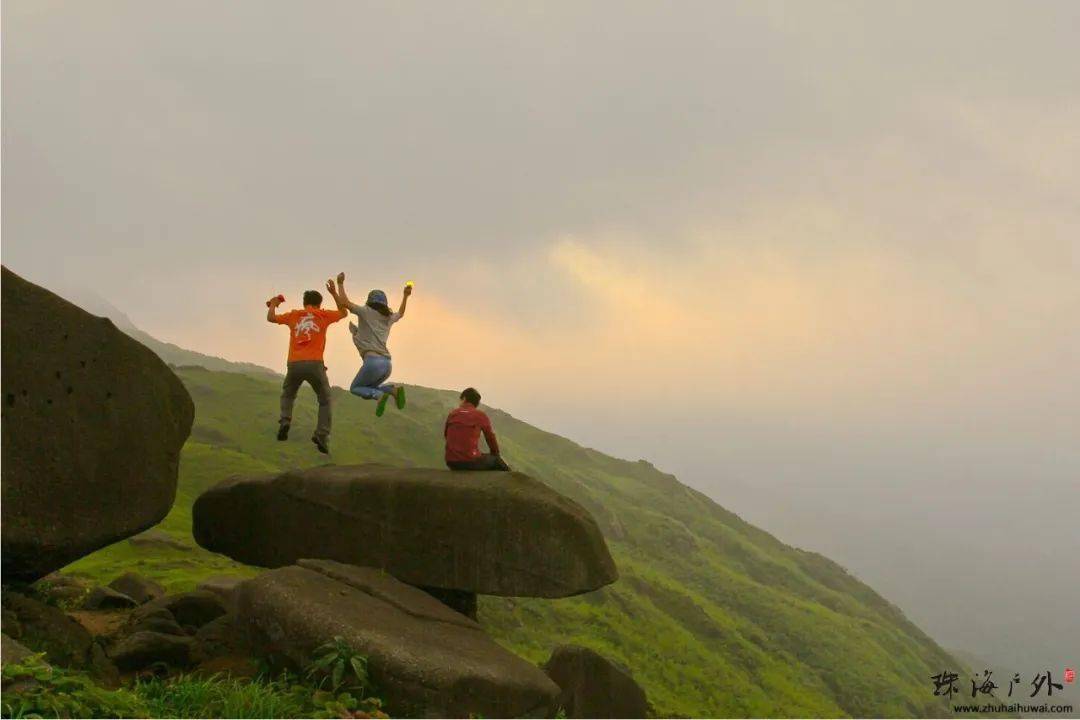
(463, 427)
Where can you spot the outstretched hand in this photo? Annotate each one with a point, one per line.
(331, 288)
(341, 278)
(408, 290)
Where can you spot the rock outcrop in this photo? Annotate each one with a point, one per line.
(487, 533)
(93, 423)
(591, 686)
(425, 659)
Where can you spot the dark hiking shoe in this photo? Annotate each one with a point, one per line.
(283, 432)
(321, 444)
(399, 399)
(380, 408)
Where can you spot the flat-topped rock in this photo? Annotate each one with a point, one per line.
(425, 659)
(93, 423)
(487, 533)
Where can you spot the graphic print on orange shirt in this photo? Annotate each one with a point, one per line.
(307, 339)
(303, 329)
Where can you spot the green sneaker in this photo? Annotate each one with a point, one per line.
(399, 399)
(380, 408)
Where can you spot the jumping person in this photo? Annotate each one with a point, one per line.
(307, 341)
(370, 333)
(462, 432)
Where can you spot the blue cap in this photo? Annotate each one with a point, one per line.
(376, 297)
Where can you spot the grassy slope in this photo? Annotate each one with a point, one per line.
(713, 616)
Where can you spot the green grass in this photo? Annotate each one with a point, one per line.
(34, 689)
(713, 616)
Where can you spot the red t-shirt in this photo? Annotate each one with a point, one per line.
(307, 339)
(463, 427)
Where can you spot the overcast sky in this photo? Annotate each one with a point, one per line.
(819, 259)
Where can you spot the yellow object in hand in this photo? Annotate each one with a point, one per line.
(409, 284)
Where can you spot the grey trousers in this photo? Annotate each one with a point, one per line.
(314, 373)
(484, 462)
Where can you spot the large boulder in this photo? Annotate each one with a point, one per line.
(487, 533)
(153, 619)
(93, 422)
(594, 687)
(425, 659)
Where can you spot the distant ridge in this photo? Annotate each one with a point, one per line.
(178, 356)
(174, 355)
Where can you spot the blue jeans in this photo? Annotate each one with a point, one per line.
(368, 383)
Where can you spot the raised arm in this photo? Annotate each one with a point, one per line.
(342, 304)
(271, 308)
(348, 304)
(404, 299)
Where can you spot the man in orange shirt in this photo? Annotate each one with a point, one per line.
(307, 340)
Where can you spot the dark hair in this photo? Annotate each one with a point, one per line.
(470, 396)
(383, 310)
(312, 297)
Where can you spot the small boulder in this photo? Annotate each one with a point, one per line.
(101, 667)
(191, 609)
(47, 629)
(143, 649)
(591, 686)
(218, 638)
(425, 659)
(154, 619)
(12, 651)
(103, 598)
(93, 423)
(141, 590)
(486, 533)
(60, 589)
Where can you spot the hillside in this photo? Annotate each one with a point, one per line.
(714, 616)
(176, 355)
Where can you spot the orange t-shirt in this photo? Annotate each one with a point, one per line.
(307, 338)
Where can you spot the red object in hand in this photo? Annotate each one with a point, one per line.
(279, 298)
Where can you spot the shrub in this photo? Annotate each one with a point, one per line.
(337, 665)
(33, 688)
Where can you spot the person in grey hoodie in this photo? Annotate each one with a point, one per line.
(370, 333)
